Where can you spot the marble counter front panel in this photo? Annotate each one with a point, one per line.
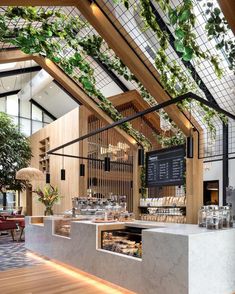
(177, 259)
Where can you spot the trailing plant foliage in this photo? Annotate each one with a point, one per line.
(95, 47)
(15, 153)
(173, 78)
(182, 20)
(55, 32)
(218, 28)
(175, 140)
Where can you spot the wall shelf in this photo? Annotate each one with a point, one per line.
(44, 162)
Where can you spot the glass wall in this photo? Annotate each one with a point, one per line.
(29, 117)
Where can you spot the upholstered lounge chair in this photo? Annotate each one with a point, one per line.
(6, 225)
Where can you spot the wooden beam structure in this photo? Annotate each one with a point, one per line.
(65, 81)
(135, 98)
(122, 48)
(228, 8)
(194, 183)
(9, 56)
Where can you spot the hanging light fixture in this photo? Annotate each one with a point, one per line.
(48, 178)
(189, 147)
(189, 141)
(107, 158)
(82, 165)
(82, 170)
(141, 150)
(107, 164)
(29, 174)
(140, 156)
(62, 171)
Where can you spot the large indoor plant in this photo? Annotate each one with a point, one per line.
(15, 153)
(48, 196)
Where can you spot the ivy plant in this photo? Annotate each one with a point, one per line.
(173, 78)
(55, 32)
(217, 28)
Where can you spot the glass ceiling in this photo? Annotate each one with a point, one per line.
(223, 91)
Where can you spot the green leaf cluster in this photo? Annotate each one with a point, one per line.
(56, 32)
(15, 153)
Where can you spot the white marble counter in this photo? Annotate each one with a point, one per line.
(176, 259)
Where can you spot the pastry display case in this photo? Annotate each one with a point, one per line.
(127, 241)
(62, 227)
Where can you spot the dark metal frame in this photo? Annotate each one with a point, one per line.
(14, 72)
(207, 93)
(143, 113)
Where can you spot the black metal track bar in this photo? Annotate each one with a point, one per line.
(5, 94)
(145, 112)
(19, 71)
(42, 108)
(88, 158)
(112, 75)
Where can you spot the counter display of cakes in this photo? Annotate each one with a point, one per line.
(62, 227)
(125, 241)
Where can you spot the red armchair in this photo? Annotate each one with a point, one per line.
(6, 225)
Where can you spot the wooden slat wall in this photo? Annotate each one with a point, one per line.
(119, 179)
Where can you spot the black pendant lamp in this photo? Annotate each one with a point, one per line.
(82, 170)
(189, 147)
(62, 174)
(189, 141)
(107, 158)
(48, 178)
(141, 157)
(107, 164)
(62, 171)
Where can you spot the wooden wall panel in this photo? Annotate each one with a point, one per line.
(60, 131)
(194, 184)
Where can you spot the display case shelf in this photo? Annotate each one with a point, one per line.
(163, 206)
(127, 241)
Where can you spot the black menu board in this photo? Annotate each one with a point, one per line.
(165, 167)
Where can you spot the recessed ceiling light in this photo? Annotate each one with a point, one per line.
(51, 87)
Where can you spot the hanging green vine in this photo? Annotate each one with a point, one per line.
(182, 20)
(218, 28)
(54, 33)
(172, 76)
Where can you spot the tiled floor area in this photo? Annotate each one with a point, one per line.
(14, 254)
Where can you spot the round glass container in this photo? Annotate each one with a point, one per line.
(214, 219)
(227, 217)
(202, 214)
(100, 215)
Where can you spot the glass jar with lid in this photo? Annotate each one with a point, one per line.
(202, 214)
(214, 219)
(226, 212)
(100, 216)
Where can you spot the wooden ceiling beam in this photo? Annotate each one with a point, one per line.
(135, 98)
(129, 57)
(66, 82)
(9, 56)
(228, 8)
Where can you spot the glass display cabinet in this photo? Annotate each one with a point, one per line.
(127, 241)
(62, 227)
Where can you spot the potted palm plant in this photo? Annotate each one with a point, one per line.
(48, 196)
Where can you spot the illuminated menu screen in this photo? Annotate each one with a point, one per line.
(165, 167)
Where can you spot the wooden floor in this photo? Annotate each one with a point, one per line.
(52, 278)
